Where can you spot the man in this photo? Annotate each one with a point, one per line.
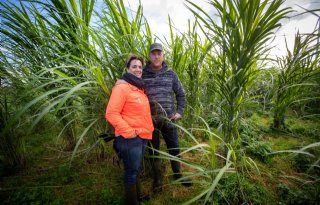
(160, 85)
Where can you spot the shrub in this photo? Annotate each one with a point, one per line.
(237, 189)
(306, 194)
(261, 150)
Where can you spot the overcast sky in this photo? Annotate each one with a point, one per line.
(157, 11)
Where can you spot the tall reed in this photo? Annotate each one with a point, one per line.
(240, 36)
(296, 71)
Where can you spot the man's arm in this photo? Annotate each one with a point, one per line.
(180, 97)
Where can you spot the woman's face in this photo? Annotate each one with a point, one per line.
(135, 68)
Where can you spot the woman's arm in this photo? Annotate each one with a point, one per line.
(113, 113)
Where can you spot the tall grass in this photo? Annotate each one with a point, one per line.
(187, 55)
(209, 168)
(240, 37)
(295, 75)
(71, 65)
(12, 152)
(48, 38)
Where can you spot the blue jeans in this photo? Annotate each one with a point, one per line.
(131, 152)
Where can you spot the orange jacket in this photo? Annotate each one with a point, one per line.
(129, 113)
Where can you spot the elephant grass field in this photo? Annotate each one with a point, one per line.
(250, 133)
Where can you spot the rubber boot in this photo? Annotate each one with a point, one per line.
(157, 176)
(176, 167)
(141, 196)
(131, 195)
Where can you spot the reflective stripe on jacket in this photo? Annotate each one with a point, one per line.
(128, 111)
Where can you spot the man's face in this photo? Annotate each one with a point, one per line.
(156, 59)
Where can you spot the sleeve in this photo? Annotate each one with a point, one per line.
(180, 94)
(114, 109)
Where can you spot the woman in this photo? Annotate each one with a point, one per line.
(128, 111)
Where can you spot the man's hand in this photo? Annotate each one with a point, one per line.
(176, 117)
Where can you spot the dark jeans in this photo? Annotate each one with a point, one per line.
(169, 134)
(131, 152)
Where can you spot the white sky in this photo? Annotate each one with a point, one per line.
(157, 11)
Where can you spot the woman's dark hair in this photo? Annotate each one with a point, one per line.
(134, 57)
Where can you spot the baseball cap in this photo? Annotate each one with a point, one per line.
(156, 46)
